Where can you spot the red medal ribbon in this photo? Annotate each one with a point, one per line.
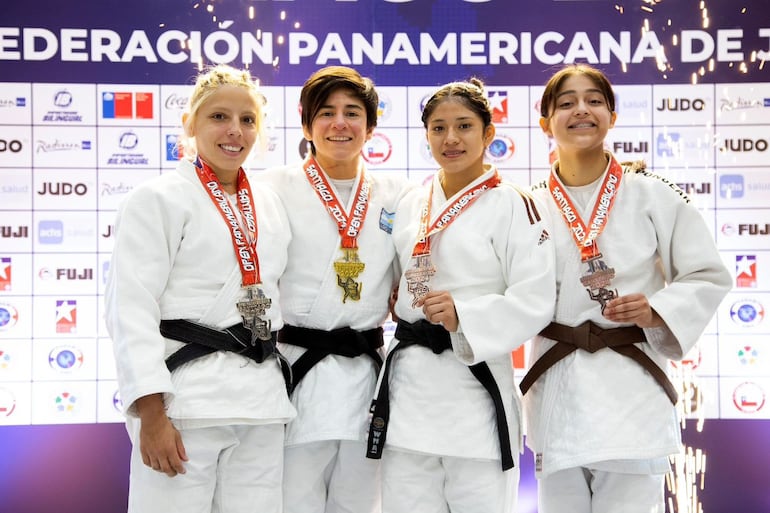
(449, 214)
(349, 224)
(244, 238)
(585, 236)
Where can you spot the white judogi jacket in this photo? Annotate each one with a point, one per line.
(174, 259)
(333, 399)
(600, 407)
(497, 262)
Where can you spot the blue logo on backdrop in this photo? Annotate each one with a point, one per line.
(62, 99)
(128, 140)
(668, 144)
(50, 232)
(747, 312)
(172, 150)
(731, 186)
(65, 358)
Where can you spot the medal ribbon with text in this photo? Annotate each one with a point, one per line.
(585, 235)
(243, 230)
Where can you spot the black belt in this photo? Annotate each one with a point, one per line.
(202, 340)
(436, 338)
(590, 337)
(320, 344)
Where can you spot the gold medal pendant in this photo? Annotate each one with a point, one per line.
(418, 277)
(253, 310)
(348, 268)
(598, 280)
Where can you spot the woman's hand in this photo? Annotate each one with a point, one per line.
(159, 441)
(439, 308)
(633, 308)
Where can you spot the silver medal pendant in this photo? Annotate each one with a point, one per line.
(252, 310)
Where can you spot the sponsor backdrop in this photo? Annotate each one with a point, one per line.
(90, 105)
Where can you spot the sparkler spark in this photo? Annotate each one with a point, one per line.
(687, 477)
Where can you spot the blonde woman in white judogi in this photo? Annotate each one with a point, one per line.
(206, 422)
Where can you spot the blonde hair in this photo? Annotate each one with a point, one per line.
(207, 83)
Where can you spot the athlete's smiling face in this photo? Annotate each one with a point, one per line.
(579, 116)
(225, 128)
(339, 130)
(457, 137)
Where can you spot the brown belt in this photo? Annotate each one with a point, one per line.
(590, 337)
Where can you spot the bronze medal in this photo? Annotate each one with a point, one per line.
(418, 277)
(598, 277)
(598, 280)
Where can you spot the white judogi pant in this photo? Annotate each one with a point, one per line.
(414, 482)
(331, 476)
(231, 469)
(583, 490)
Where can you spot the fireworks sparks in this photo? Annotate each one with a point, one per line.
(686, 480)
(648, 9)
(687, 477)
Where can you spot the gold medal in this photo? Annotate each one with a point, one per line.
(348, 268)
(253, 310)
(418, 277)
